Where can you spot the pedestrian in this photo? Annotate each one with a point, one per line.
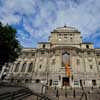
(55, 88)
(57, 94)
(92, 88)
(74, 95)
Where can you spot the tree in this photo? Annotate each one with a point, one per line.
(9, 45)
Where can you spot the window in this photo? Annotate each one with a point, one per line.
(30, 67)
(37, 80)
(88, 53)
(33, 54)
(65, 37)
(70, 34)
(71, 38)
(43, 45)
(23, 67)
(59, 34)
(87, 46)
(17, 67)
(40, 66)
(65, 34)
(91, 66)
(93, 82)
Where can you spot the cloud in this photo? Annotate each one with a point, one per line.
(40, 17)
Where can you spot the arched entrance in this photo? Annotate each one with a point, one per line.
(66, 64)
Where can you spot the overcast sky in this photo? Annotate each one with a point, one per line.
(35, 19)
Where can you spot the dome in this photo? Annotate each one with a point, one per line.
(66, 29)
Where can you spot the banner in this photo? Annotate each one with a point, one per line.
(66, 63)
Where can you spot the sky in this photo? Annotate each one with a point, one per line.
(35, 19)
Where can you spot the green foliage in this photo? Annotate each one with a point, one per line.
(9, 45)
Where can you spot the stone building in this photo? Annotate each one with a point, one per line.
(62, 61)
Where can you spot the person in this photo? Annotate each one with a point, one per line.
(55, 88)
(74, 95)
(57, 93)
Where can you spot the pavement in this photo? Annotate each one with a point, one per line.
(52, 94)
(71, 94)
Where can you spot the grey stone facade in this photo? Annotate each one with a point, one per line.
(45, 63)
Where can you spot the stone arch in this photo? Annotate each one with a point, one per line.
(17, 67)
(30, 67)
(23, 67)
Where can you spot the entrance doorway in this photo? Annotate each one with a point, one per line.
(65, 81)
(94, 82)
(50, 82)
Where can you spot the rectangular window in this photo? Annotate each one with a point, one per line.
(91, 66)
(93, 82)
(65, 37)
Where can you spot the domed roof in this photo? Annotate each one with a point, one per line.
(66, 29)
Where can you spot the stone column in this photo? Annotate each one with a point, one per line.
(11, 68)
(14, 67)
(3, 71)
(27, 67)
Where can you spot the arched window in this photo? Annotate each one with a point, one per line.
(99, 63)
(23, 67)
(40, 66)
(43, 45)
(30, 67)
(87, 46)
(17, 67)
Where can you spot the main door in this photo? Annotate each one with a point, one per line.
(65, 81)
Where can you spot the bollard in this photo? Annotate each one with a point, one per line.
(66, 92)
